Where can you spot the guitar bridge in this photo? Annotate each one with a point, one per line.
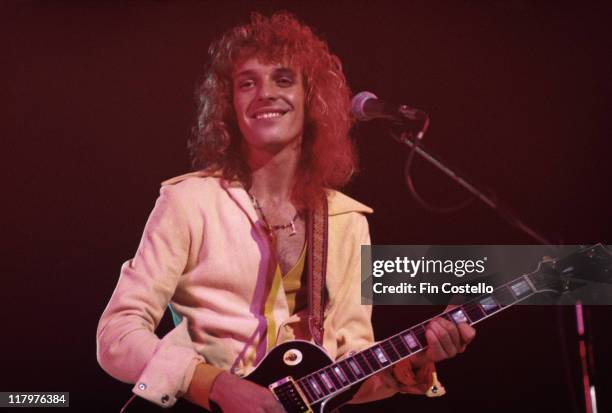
(289, 394)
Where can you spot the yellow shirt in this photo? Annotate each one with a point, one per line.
(295, 289)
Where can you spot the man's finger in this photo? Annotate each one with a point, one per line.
(467, 334)
(452, 331)
(434, 350)
(446, 342)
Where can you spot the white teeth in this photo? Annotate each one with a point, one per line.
(268, 115)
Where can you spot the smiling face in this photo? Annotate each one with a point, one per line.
(269, 104)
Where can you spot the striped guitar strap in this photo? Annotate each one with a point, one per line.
(316, 233)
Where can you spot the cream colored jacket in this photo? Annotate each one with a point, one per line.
(204, 253)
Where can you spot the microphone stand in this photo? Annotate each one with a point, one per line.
(413, 141)
(502, 211)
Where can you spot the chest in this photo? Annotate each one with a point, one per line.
(288, 247)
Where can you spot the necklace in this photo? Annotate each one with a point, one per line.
(272, 228)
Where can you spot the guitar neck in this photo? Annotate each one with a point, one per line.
(357, 367)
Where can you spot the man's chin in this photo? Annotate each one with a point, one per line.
(272, 140)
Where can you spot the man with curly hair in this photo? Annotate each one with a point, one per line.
(225, 246)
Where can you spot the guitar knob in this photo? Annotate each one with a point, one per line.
(292, 357)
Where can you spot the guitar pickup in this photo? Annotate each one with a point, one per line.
(289, 394)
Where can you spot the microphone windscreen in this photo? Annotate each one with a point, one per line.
(358, 102)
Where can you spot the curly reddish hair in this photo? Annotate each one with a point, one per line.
(328, 157)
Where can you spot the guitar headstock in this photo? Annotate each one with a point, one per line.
(584, 272)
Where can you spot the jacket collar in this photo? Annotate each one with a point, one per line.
(233, 188)
(237, 192)
(339, 203)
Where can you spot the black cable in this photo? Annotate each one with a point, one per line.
(416, 140)
(125, 406)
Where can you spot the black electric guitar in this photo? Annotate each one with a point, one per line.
(304, 378)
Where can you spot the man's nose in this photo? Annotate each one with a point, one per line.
(268, 90)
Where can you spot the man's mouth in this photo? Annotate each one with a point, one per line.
(268, 114)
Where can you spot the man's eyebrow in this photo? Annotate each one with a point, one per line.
(284, 71)
(247, 72)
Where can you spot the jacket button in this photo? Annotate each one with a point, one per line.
(165, 398)
(142, 386)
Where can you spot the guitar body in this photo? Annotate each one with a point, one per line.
(297, 359)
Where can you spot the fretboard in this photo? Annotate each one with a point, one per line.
(357, 367)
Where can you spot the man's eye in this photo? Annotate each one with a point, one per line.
(244, 84)
(285, 81)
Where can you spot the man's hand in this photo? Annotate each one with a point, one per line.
(416, 374)
(444, 340)
(234, 394)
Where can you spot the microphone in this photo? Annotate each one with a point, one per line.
(366, 106)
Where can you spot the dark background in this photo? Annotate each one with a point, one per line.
(101, 104)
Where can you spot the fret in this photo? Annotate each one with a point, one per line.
(371, 359)
(400, 346)
(332, 375)
(319, 381)
(318, 392)
(474, 311)
(411, 341)
(419, 333)
(458, 316)
(381, 355)
(503, 296)
(389, 348)
(307, 390)
(520, 288)
(489, 304)
(363, 363)
(329, 385)
(339, 372)
(347, 370)
(355, 368)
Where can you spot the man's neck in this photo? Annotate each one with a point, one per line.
(273, 173)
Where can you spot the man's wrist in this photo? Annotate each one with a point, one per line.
(202, 383)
